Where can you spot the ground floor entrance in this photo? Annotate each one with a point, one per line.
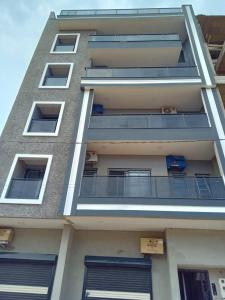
(194, 285)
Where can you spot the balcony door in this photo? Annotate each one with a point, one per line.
(130, 182)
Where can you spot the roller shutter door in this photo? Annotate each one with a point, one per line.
(22, 278)
(117, 278)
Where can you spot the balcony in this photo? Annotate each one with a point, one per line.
(43, 125)
(150, 127)
(152, 190)
(125, 21)
(117, 12)
(150, 73)
(24, 188)
(135, 50)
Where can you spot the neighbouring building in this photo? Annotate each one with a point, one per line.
(112, 162)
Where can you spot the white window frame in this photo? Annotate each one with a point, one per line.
(48, 103)
(38, 201)
(65, 52)
(41, 86)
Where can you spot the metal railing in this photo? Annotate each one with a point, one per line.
(134, 38)
(99, 12)
(24, 188)
(145, 121)
(153, 187)
(43, 125)
(150, 72)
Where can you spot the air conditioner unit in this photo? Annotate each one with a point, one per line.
(91, 157)
(169, 110)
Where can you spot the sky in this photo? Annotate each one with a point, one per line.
(22, 22)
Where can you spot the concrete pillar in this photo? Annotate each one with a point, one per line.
(66, 240)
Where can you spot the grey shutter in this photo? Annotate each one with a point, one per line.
(117, 277)
(26, 279)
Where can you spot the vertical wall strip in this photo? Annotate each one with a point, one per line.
(197, 47)
(76, 156)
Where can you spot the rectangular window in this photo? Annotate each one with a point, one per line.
(56, 75)
(65, 43)
(44, 119)
(27, 179)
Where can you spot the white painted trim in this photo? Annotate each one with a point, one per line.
(65, 52)
(41, 86)
(117, 295)
(162, 208)
(76, 156)
(139, 81)
(47, 103)
(26, 289)
(199, 48)
(3, 198)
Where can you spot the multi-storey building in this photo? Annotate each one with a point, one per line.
(113, 163)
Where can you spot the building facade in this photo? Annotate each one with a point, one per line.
(113, 163)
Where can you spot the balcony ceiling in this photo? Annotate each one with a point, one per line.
(166, 56)
(184, 98)
(127, 25)
(142, 224)
(196, 150)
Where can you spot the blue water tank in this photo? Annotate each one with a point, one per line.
(175, 163)
(97, 109)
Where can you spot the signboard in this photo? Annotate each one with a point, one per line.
(152, 246)
(6, 235)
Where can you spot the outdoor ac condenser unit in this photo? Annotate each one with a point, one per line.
(169, 110)
(91, 157)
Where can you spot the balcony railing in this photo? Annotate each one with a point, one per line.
(152, 72)
(147, 121)
(43, 125)
(108, 12)
(64, 48)
(134, 38)
(153, 187)
(55, 81)
(24, 188)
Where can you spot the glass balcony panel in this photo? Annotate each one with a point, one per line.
(134, 38)
(153, 187)
(85, 12)
(55, 81)
(44, 125)
(24, 188)
(153, 72)
(120, 11)
(106, 12)
(64, 48)
(196, 120)
(149, 121)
